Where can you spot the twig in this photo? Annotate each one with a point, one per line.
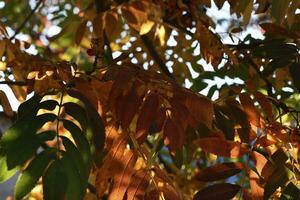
(18, 83)
(27, 19)
(159, 61)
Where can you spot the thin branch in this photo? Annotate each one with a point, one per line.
(27, 19)
(18, 83)
(156, 57)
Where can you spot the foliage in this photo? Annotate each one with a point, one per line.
(106, 112)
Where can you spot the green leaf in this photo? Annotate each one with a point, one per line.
(277, 179)
(78, 113)
(74, 154)
(33, 172)
(5, 173)
(75, 188)
(48, 105)
(81, 143)
(29, 107)
(55, 182)
(20, 142)
(95, 120)
(295, 74)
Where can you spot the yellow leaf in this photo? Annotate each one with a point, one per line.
(160, 34)
(146, 27)
(80, 32)
(2, 66)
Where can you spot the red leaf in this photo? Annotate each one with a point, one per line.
(222, 191)
(174, 135)
(147, 115)
(219, 171)
(222, 147)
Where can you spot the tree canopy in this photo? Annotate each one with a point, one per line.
(120, 99)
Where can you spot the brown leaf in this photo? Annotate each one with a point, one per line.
(147, 115)
(222, 191)
(219, 171)
(138, 186)
(135, 15)
(122, 178)
(111, 21)
(98, 25)
(222, 147)
(80, 32)
(252, 113)
(265, 104)
(5, 104)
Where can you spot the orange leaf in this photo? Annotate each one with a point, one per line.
(218, 191)
(5, 104)
(111, 165)
(138, 186)
(122, 179)
(111, 20)
(219, 171)
(222, 147)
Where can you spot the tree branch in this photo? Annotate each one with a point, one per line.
(18, 83)
(27, 19)
(156, 57)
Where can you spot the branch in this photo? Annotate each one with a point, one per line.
(27, 19)
(18, 83)
(156, 57)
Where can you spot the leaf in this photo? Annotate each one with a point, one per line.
(138, 185)
(174, 135)
(48, 105)
(247, 12)
(81, 143)
(249, 108)
(146, 117)
(74, 154)
(110, 165)
(110, 18)
(80, 32)
(2, 48)
(95, 119)
(75, 189)
(222, 191)
(222, 147)
(33, 172)
(29, 106)
(295, 73)
(146, 27)
(265, 104)
(290, 192)
(78, 113)
(219, 171)
(279, 8)
(5, 104)
(278, 178)
(55, 182)
(5, 173)
(122, 178)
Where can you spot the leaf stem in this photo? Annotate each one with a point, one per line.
(58, 120)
